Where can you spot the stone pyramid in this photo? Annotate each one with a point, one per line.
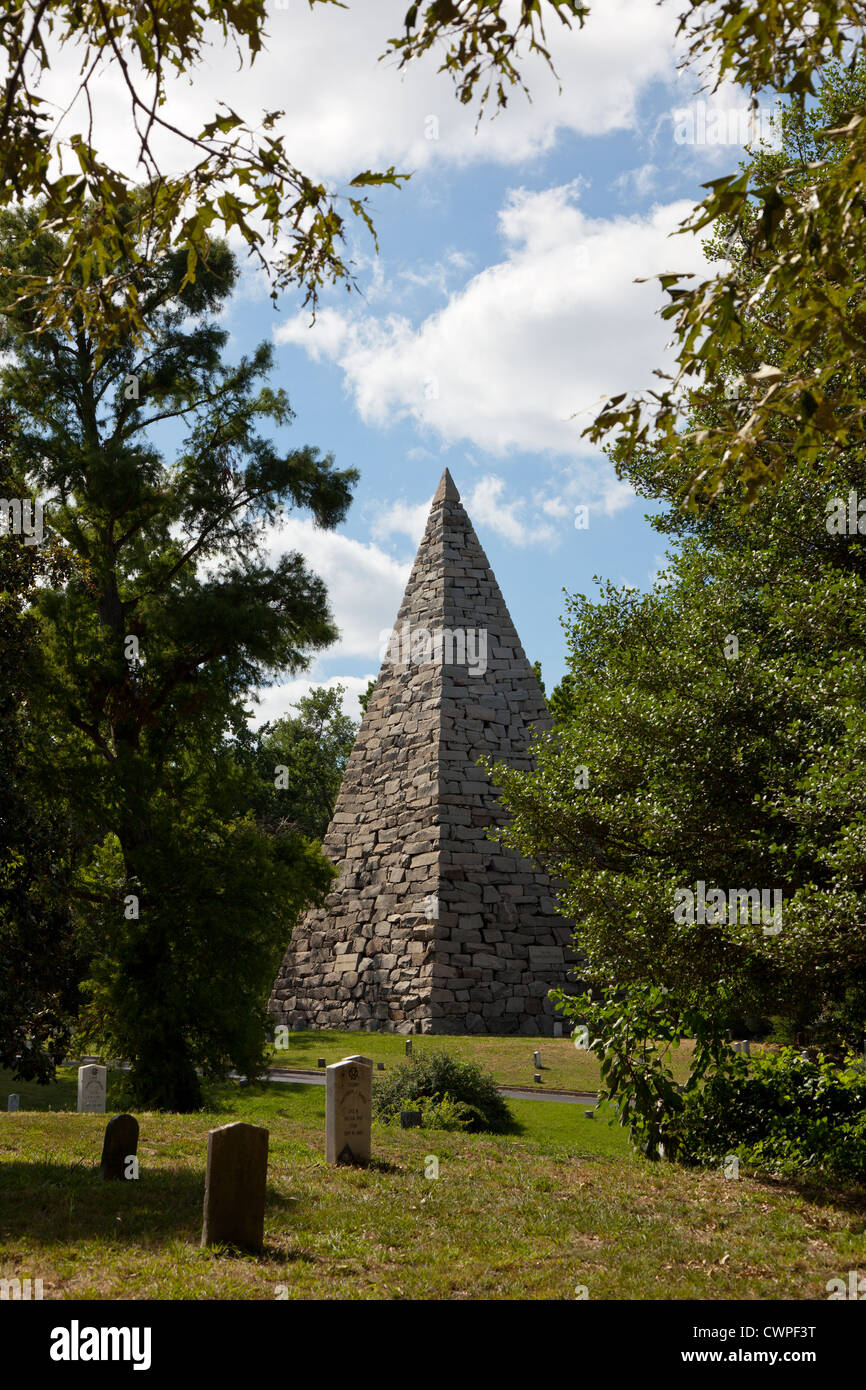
(432, 927)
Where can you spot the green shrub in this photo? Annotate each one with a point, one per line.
(449, 1093)
(781, 1114)
(443, 1112)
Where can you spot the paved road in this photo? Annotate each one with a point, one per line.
(317, 1078)
(284, 1077)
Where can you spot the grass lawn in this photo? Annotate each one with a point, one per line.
(563, 1067)
(532, 1215)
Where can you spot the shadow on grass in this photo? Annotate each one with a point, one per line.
(383, 1165)
(270, 1254)
(822, 1192)
(49, 1202)
(514, 1131)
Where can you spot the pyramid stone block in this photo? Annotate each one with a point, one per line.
(432, 927)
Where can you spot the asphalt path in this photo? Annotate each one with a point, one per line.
(285, 1077)
(317, 1078)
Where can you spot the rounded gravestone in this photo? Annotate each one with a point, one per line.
(119, 1145)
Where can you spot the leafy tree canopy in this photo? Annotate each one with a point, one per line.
(713, 736)
(39, 964)
(147, 653)
(239, 176)
(707, 741)
(301, 759)
(790, 226)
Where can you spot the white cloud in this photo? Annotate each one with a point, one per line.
(364, 584)
(637, 183)
(520, 357)
(554, 506)
(276, 701)
(401, 518)
(712, 128)
(486, 505)
(346, 111)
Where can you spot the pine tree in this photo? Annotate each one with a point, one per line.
(170, 616)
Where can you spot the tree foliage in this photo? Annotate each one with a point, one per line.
(783, 1114)
(240, 176)
(793, 227)
(710, 732)
(40, 965)
(720, 720)
(301, 759)
(170, 616)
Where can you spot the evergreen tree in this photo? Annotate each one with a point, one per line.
(39, 965)
(170, 616)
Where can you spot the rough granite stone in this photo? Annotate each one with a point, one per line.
(431, 927)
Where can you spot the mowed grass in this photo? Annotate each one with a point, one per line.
(537, 1214)
(510, 1060)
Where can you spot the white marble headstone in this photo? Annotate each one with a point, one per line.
(91, 1090)
(348, 1098)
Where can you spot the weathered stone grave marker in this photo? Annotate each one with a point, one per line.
(91, 1090)
(557, 1030)
(537, 1076)
(321, 1062)
(536, 1058)
(235, 1183)
(408, 1047)
(380, 1066)
(119, 1146)
(410, 1119)
(13, 1102)
(348, 1110)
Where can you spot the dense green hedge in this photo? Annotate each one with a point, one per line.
(781, 1114)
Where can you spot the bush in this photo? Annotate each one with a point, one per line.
(781, 1114)
(449, 1093)
(443, 1112)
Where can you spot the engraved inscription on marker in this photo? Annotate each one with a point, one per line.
(348, 1086)
(91, 1090)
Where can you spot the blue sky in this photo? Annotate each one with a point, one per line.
(502, 301)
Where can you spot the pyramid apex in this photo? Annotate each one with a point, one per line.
(447, 490)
